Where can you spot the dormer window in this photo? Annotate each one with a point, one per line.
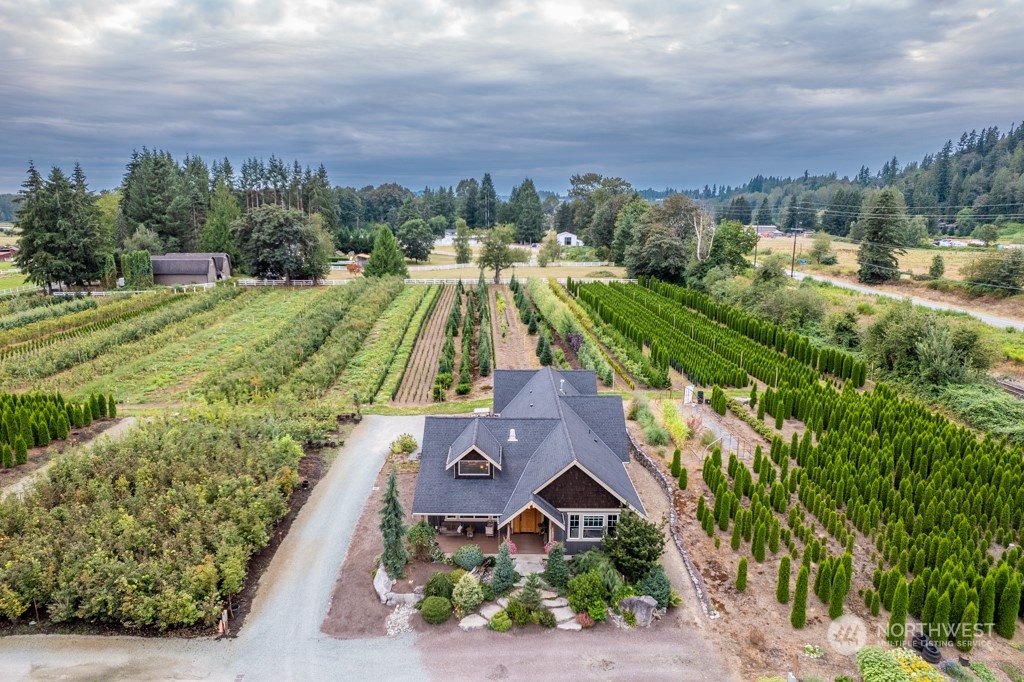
(473, 468)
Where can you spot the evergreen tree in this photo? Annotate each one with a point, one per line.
(1009, 604)
(216, 235)
(764, 213)
(528, 213)
(504, 576)
(682, 479)
(798, 616)
(839, 588)
(530, 594)
(734, 542)
(487, 208)
(883, 226)
(782, 588)
(6, 456)
(969, 621)
(20, 450)
(741, 575)
(463, 252)
(987, 610)
(896, 632)
(111, 406)
(386, 257)
(940, 621)
(757, 547)
(556, 572)
(392, 529)
(676, 463)
(938, 267)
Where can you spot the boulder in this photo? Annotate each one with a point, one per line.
(382, 583)
(400, 598)
(548, 594)
(641, 607)
(569, 625)
(473, 622)
(554, 602)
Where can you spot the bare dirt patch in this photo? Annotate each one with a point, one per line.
(516, 349)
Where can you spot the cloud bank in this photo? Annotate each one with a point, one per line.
(662, 93)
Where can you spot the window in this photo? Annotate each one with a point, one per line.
(591, 526)
(474, 467)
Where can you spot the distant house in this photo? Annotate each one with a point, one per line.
(551, 464)
(7, 253)
(362, 259)
(190, 268)
(568, 239)
(768, 231)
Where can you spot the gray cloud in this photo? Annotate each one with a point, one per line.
(669, 93)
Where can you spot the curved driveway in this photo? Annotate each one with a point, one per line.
(281, 639)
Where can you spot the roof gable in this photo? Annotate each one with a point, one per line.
(475, 438)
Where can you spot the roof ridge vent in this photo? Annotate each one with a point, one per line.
(512, 436)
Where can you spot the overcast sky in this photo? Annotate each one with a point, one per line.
(661, 93)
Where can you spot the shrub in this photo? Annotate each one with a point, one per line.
(798, 616)
(682, 479)
(587, 594)
(545, 618)
(782, 589)
(20, 451)
(655, 584)
(395, 555)
(405, 443)
(468, 557)
(439, 585)
(488, 591)
(501, 622)
(584, 620)
(436, 610)
(636, 546)
(467, 594)
(629, 618)
(518, 612)
(504, 576)
(420, 537)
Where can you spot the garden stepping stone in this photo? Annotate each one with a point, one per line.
(554, 602)
(548, 594)
(563, 614)
(473, 622)
(502, 602)
(570, 625)
(488, 610)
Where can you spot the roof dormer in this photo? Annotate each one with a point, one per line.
(474, 446)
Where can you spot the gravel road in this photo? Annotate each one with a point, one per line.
(281, 639)
(994, 320)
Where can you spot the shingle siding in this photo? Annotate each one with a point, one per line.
(576, 490)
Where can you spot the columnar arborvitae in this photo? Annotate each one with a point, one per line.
(940, 621)
(798, 616)
(6, 456)
(20, 450)
(969, 621)
(782, 588)
(1009, 605)
(839, 588)
(737, 535)
(757, 547)
(676, 463)
(931, 602)
(741, 575)
(682, 479)
(823, 581)
(987, 609)
(111, 406)
(896, 632)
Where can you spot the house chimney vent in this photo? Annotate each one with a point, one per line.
(512, 436)
(561, 387)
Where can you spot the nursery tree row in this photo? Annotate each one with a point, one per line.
(35, 419)
(769, 334)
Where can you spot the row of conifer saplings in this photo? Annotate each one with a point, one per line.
(36, 419)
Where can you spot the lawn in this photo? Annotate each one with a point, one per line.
(8, 281)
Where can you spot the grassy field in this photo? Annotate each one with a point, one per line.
(8, 281)
(915, 261)
(471, 274)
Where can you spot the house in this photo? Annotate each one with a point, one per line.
(168, 270)
(362, 259)
(551, 463)
(768, 231)
(7, 253)
(568, 239)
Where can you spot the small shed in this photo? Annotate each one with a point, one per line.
(568, 239)
(221, 263)
(174, 269)
(362, 259)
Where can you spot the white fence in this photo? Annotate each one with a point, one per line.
(560, 280)
(533, 263)
(292, 283)
(24, 289)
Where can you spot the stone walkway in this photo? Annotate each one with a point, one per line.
(525, 565)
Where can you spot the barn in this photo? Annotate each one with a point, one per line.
(190, 268)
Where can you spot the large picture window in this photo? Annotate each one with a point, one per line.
(474, 467)
(591, 526)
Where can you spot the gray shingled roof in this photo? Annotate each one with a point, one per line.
(553, 431)
(219, 259)
(478, 437)
(167, 265)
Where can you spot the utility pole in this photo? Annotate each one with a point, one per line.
(792, 265)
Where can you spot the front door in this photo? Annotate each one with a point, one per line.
(527, 522)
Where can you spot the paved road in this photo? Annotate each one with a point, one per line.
(994, 320)
(281, 639)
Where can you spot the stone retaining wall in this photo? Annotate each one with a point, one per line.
(669, 487)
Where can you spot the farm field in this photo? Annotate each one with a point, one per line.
(422, 368)
(470, 274)
(513, 345)
(818, 490)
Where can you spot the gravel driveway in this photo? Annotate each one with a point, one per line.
(281, 639)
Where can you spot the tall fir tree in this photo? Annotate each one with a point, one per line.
(392, 529)
(386, 258)
(883, 229)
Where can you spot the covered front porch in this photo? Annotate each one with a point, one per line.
(529, 530)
